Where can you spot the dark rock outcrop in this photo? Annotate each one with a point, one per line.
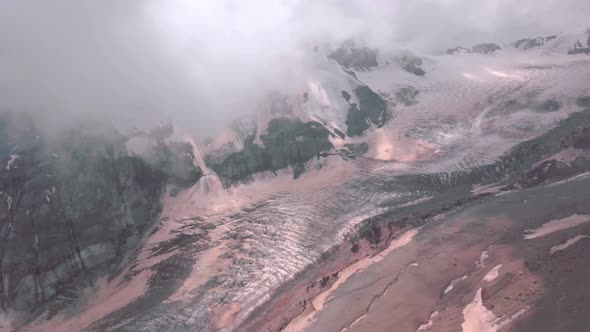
(352, 58)
(353, 151)
(579, 48)
(583, 101)
(349, 56)
(175, 159)
(458, 50)
(407, 95)
(411, 63)
(549, 105)
(527, 43)
(554, 169)
(287, 142)
(372, 109)
(486, 48)
(71, 207)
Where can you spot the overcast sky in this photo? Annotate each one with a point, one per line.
(202, 61)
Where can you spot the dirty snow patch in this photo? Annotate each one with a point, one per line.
(567, 243)
(428, 325)
(493, 274)
(556, 225)
(482, 259)
(477, 318)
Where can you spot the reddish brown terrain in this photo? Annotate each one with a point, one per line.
(498, 265)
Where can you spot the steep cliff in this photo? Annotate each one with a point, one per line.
(287, 142)
(73, 206)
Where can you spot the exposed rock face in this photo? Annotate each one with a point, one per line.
(353, 58)
(580, 51)
(550, 105)
(572, 157)
(411, 63)
(486, 48)
(579, 48)
(372, 109)
(349, 56)
(243, 129)
(527, 43)
(176, 161)
(71, 208)
(287, 142)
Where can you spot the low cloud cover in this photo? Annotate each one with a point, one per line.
(202, 62)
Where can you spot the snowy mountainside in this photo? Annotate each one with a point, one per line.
(364, 96)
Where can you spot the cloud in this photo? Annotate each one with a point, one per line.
(429, 24)
(201, 62)
(60, 59)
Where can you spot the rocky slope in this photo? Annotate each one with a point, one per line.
(73, 208)
(575, 43)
